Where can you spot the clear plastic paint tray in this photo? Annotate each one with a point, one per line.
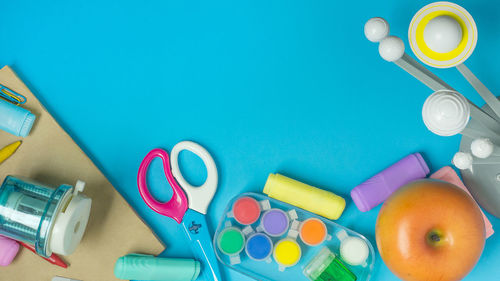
(267, 239)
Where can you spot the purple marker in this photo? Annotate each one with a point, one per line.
(379, 187)
(275, 222)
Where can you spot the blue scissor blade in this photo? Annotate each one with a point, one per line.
(195, 227)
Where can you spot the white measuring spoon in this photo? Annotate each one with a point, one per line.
(447, 113)
(445, 42)
(392, 49)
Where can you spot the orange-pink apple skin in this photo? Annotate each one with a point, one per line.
(430, 231)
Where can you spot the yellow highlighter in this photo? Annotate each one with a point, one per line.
(310, 198)
(7, 151)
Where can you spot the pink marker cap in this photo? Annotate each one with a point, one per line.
(8, 250)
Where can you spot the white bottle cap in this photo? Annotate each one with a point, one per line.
(71, 222)
(482, 147)
(354, 250)
(446, 113)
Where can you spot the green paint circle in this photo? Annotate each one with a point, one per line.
(231, 241)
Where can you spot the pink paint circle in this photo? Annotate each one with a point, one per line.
(246, 210)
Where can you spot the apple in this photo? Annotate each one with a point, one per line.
(430, 230)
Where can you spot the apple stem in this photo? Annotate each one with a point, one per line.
(435, 237)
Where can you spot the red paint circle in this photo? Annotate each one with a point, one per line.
(246, 210)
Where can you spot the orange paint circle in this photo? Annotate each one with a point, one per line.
(312, 232)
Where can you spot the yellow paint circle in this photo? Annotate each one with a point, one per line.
(287, 252)
(435, 55)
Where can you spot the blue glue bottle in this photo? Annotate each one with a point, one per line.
(51, 219)
(15, 119)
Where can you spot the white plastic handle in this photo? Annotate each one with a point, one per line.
(199, 197)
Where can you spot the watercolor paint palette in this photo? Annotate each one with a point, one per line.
(267, 239)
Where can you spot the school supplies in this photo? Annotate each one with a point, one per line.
(392, 49)
(447, 113)
(275, 222)
(259, 246)
(310, 198)
(59, 278)
(7, 151)
(353, 250)
(15, 119)
(53, 259)
(8, 250)
(51, 219)
(246, 210)
(49, 155)
(11, 96)
(313, 232)
(231, 241)
(444, 35)
(147, 267)
(198, 198)
(287, 253)
(327, 266)
(282, 255)
(379, 187)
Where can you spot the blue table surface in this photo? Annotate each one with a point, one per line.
(266, 86)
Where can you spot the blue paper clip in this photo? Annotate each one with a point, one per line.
(11, 96)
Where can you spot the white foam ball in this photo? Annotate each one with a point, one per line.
(443, 34)
(462, 160)
(376, 29)
(482, 147)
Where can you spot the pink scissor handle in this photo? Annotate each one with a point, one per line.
(178, 204)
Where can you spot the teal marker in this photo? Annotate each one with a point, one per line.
(147, 267)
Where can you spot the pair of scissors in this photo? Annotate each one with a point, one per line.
(198, 198)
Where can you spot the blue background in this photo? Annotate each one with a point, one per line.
(265, 86)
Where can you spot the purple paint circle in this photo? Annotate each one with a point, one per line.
(275, 222)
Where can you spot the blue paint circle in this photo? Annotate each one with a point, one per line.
(259, 246)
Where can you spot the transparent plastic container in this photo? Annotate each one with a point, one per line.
(52, 219)
(270, 269)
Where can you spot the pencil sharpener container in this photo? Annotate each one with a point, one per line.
(51, 219)
(15, 119)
